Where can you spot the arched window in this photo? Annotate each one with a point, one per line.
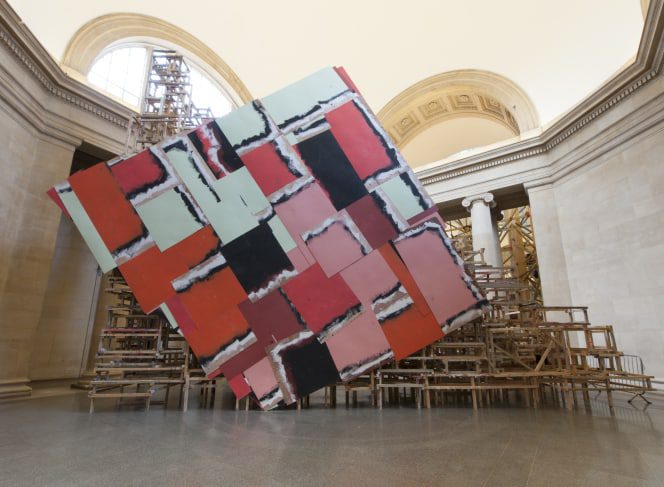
(122, 71)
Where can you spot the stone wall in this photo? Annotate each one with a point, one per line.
(69, 307)
(44, 116)
(611, 217)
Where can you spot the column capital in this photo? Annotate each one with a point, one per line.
(486, 198)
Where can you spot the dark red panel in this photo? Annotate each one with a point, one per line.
(362, 146)
(319, 299)
(371, 221)
(106, 205)
(425, 215)
(215, 149)
(268, 168)
(271, 319)
(184, 321)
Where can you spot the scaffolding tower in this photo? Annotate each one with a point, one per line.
(167, 107)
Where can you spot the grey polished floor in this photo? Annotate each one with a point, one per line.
(52, 440)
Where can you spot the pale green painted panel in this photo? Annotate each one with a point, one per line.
(168, 219)
(185, 169)
(241, 124)
(300, 97)
(240, 186)
(230, 218)
(402, 197)
(171, 319)
(283, 237)
(88, 231)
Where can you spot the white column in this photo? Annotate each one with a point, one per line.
(496, 216)
(484, 230)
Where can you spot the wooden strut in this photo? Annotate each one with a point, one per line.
(519, 350)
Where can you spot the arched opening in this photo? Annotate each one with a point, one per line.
(123, 69)
(107, 31)
(455, 111)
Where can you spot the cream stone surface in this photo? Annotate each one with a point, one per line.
(550, 250)
(69, 309)
(29, 221)
(611, 216)
(43, 116)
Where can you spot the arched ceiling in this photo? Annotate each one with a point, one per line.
(557, 51)
(453, 135)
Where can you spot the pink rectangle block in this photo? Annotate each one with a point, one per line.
(359, 346)
(369, 277)
(445, 291)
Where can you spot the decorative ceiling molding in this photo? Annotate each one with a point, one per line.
(463, 93)
(96, 35)
(18, 39)
(647, 66)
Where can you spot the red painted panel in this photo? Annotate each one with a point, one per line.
(206, 299)
(239, 386)
(149, 276)
(53, 194)
(195, 248)
(358, 140)
(103, 200)
(319, 299)
(267, 168)
(410, 332)
(150, 273)
(138, 171)
(216, 331)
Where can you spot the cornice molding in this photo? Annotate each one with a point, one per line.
(647, 66)
(15, 36)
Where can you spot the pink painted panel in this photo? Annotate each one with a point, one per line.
(305, 209)
(261, 378)
(444, 290)
(369, 277)
(360, 341)
(335, 249)
(299, 258)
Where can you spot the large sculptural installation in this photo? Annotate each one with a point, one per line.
(288, 241)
